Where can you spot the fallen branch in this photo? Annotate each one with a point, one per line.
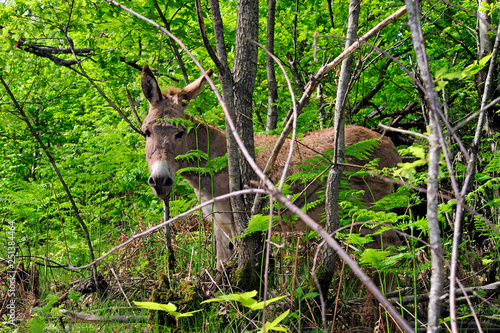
(93, 319)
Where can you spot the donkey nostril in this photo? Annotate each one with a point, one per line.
(151, 182)
(168, 181)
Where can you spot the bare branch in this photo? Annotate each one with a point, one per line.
(52, 161)
(163, 224)
(132, 107)
(204, 38)
(393, 129)
(311, 86)
(177, 55)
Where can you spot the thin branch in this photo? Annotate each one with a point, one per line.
(163, 224)
(393, 129)
(177, 55)
(257, 201)
(204, 38)
(271, 189)
(471, 168)
(312, 84)
(52, 161)
(132, 107)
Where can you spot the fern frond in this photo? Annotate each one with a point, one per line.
(494, 164)
(193, 155)
(362, 150)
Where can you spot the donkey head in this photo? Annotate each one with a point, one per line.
(164, 139)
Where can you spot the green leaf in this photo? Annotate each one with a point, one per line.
(494, 164)
(156, 306)
(485, 60)
(169, 307)
(268, 326)
(36, 325)
(246, 299)
(260, 305)
(440, 72)
(310, 295)
(74, 295)
(232, 297)
(258, 223)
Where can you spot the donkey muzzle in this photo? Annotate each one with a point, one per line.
(161, 181)
(162, 186)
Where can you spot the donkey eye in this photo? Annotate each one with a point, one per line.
(179, 135)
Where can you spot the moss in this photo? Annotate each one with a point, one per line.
(171, 260)
(185, 297)
(161, 294)
(324, 278)
(187, 294)
(247, 278)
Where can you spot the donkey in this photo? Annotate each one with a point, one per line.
(167, 138)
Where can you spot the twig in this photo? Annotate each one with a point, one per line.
(437, 277)
(52, 161)
(269, 186)
(62, 226)
(393, 129)
(468, 180)
(258, 201)
(132, 107)
(93, 319)
(268, 255)
(163, 224)
(121, 289)
(204, 38)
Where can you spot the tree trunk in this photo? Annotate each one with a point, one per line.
(272, 93)
(244, 72)
(329, 256)
(237, 88)
(433, 105)
(485, 47)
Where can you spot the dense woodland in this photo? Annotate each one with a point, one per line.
(74, 181)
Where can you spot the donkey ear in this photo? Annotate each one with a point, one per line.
(194, 88)
(150, 87)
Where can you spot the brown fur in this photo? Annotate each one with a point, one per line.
(165, 142)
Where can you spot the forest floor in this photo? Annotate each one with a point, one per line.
(50, 298)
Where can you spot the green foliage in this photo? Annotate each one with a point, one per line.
(258, 223)
(102, 159)
(246, 299)
(37, 323)
(187, 124)
(468, 73)
(494, 164)
(273, 326)
(169, 307)
(379, 259)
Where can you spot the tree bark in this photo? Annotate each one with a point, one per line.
(237, 89)
(244, 73)
(329, 256)
(272, 93)
(485, 47)
(433, 105)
